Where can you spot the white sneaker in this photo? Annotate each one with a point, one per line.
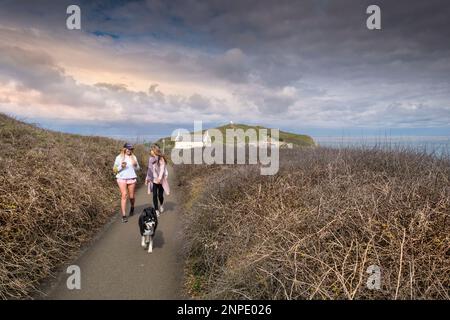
(161, 208)
(143, 244)
(158, 213)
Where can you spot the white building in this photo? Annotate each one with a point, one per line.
(271, 142)
(180, 144)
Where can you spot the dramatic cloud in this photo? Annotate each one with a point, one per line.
(294, 64)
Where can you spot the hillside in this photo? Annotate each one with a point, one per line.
(56, 191)
(297, 140)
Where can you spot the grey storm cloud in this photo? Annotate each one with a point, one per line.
(313, 60)
(36, 70)
(232, 65)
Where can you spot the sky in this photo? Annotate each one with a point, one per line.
(144, 68)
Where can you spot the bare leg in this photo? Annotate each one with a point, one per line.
(131, 191)
(123, 200)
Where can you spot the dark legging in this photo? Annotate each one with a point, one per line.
(158, 193)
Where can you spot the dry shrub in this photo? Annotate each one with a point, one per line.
(312, 230)
(56, 191)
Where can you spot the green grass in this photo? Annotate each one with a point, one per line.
(297, 140)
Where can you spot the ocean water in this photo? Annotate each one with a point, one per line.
(438, 145)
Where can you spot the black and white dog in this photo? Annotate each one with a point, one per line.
(148, 221)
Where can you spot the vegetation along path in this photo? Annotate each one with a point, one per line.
(117, 267)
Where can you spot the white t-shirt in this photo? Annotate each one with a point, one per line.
(129, 171)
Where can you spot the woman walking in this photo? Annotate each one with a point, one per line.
(157, 178)
(124, 166)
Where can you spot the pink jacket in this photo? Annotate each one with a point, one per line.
(159, 172)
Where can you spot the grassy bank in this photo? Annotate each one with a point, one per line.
(312, 231)
(297, 140)
(56, 191)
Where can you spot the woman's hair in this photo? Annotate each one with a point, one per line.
(154, 147)
(159, 154)
(123, 152)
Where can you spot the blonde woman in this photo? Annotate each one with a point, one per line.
(151, 161)
(125, 167)
(157, 178)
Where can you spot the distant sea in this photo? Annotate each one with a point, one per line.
(439, 145)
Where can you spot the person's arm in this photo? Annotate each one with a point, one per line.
(117, 165)
(136, 164)
(162, 169)
(149, 171)
(151, 161)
